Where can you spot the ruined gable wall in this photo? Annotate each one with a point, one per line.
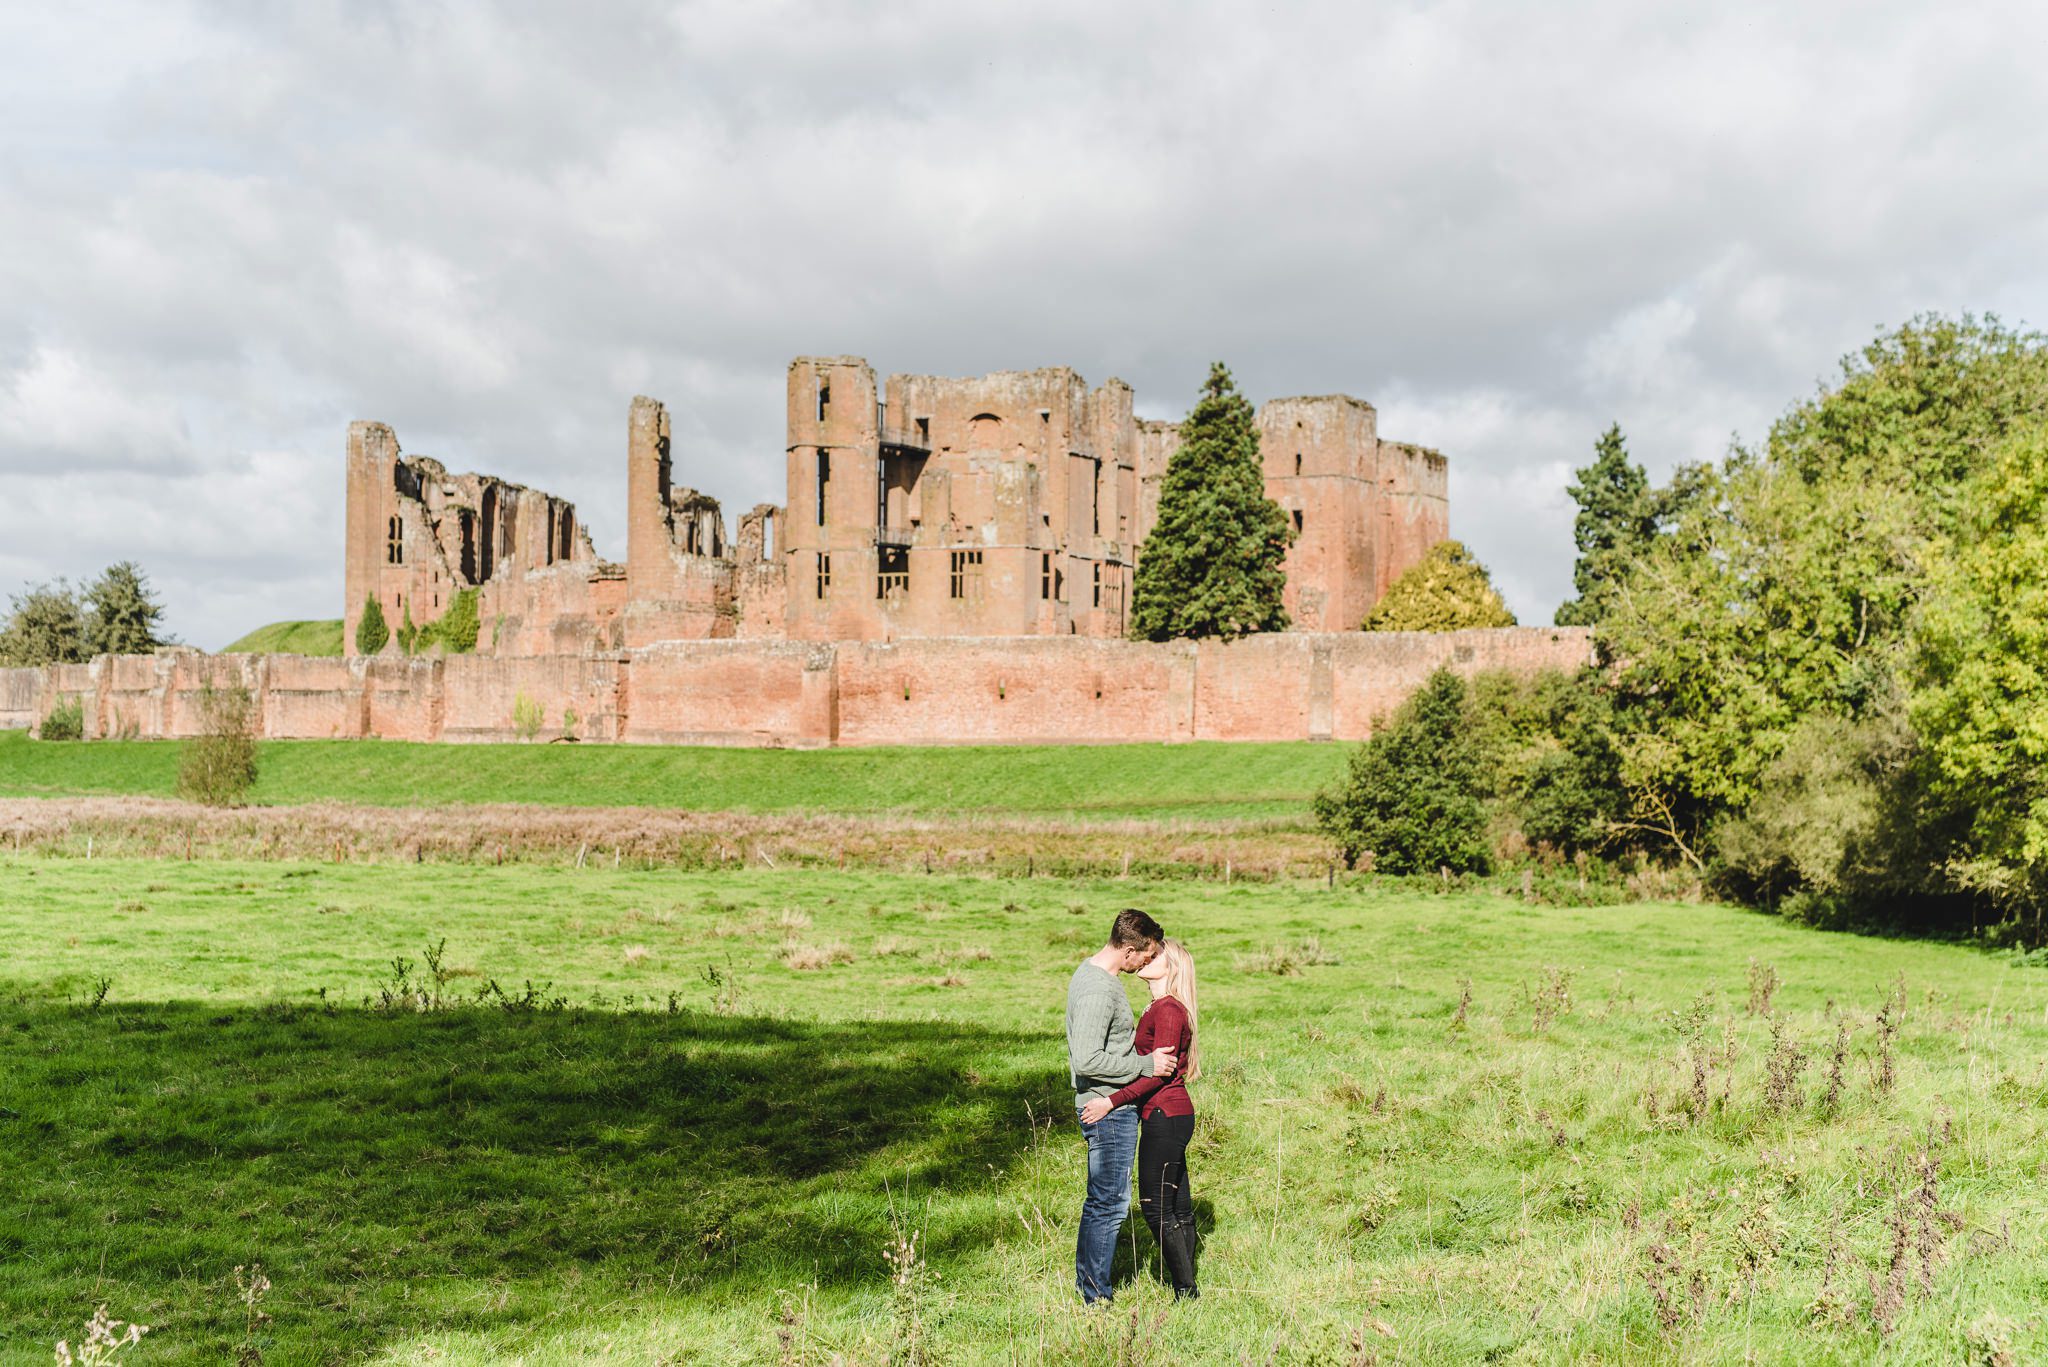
(1414, 510)
(679, 578)
(417, 535)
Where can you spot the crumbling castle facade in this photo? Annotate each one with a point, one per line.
(1012, 505)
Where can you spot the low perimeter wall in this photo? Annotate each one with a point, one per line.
(1289, 686)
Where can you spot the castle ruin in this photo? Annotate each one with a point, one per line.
(952, 564)
(1014, 504)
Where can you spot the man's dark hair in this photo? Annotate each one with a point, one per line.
(1133, 929)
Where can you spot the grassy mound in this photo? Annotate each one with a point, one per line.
(290, 638)
(783, 1116)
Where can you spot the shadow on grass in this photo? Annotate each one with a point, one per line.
(362, 1156)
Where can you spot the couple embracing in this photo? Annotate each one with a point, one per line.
(1130, 1089)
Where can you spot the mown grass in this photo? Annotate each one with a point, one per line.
(1206, 780)
(1435, 1128)
(291, 638)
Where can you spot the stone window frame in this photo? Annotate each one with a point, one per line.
(966, 582)
(394, 541)
(824, 575)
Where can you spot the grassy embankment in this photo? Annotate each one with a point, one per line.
(1586, 1161)
(291, 638)
(1204, 781)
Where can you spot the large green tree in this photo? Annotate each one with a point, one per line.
(121, 613)
(1785, 580)
(1446, 590)
(1615, 525)
(1980, 705)
(1212, 565)
(46, 624)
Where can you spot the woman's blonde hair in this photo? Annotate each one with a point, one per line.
(1179, 982)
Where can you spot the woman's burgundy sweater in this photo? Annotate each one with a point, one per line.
(1163, 1026)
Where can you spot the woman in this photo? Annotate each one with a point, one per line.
(1166, 1113)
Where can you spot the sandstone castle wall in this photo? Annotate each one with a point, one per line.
(1073, 689)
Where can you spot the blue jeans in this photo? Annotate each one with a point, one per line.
(1112, 1145)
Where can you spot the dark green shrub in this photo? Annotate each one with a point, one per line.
(1414, 796)
(372, 634)
(66, 721)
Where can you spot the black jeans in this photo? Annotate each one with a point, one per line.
(1163, 1195)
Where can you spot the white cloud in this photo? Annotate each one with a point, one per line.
(228, 229)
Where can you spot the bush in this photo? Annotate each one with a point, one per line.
(455, 630)
(1414, 796)
(1447, 590)
(527, 717)
(66, 721)
(218, 767)
(372, 635)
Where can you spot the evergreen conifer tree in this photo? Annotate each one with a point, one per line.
(371, 631)
(121, 613)
(1616, 523)
(1212, 563)
(1414, 795)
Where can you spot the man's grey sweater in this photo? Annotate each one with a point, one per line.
(1099, 1033)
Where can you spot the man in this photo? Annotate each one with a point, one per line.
(1099, 1058)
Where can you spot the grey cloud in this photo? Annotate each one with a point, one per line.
(242, 225)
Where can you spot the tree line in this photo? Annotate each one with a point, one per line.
(55, 623)
(1821, 676)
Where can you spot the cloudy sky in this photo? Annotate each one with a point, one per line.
(227, 229)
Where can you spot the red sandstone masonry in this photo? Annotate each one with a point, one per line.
(1286, 686)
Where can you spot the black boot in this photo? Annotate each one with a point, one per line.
(1177, 1247)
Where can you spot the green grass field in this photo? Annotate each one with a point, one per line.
(1206, 780)
(291, 638)
(1588, 1161)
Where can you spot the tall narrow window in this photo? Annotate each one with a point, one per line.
(1045, 576)
(824, 481)
(1097, 567)
(1297, 462)
(966, 581)
(394, 542)
(1098, 498)
(1297, 520)
(824, 398)
(824, 575)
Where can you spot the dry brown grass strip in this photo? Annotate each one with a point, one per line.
(603, 837)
